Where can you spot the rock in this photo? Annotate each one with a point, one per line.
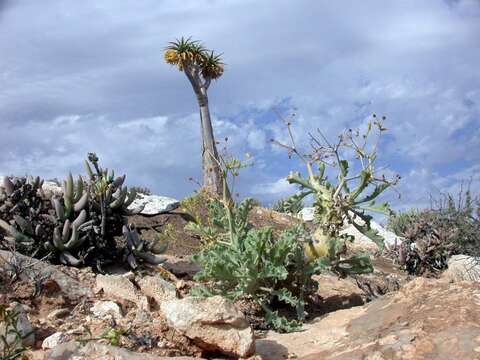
(306, 214)
(106, 310)
(390, 238)
(23, 326)
(214, 324)
(92, 350)
(425, 319)
(142, 317)
(54, 340)
(157, 288)
(463, 268)
(52, 188)
(58, 313)
(363, 243)
(335, 293)
(180, 267)
(36, 269)
(120, 287)
(153, 204)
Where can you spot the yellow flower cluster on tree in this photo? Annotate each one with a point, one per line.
(185, 54)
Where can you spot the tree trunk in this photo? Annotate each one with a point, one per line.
(212, 179)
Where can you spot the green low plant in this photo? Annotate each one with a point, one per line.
(109, 334)
(450, 226)
(244, 261)
(11, 346)
(291, 205)
(400, 222)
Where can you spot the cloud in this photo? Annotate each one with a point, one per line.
(278, 188)
(83, 76)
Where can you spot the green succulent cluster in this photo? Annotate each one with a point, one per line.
(81, 227)
(138, 249)
(22, 205)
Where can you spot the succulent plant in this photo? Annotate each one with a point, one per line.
(138, 249)
(109, 191)
(79, 227)
(24, 215)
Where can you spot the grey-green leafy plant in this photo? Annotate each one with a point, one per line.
(344, 182)
(244, 261)
(291, 205)
(262, 267)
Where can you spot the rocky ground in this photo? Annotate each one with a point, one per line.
(78, 314)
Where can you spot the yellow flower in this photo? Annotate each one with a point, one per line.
(319, 248)
(171, 56)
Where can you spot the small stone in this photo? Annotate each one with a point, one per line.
(307, 213)
(157, 288)
(77, 331)
(54, 340)
(129, 275)
(121, 288)
(462, 268)
(106, 309)
(142, 317)
(59, 313)
(153, 204)
(23, 325)
(180, 284)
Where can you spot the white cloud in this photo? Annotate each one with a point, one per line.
(279, 188)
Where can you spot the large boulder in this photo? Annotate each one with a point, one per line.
(153, 204)
(463, 268)
(214, 324)
(92, 350)
(335, 293)
(425, 319)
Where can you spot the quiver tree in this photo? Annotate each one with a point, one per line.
(201, 66)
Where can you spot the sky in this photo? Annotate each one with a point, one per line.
(89, 76)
